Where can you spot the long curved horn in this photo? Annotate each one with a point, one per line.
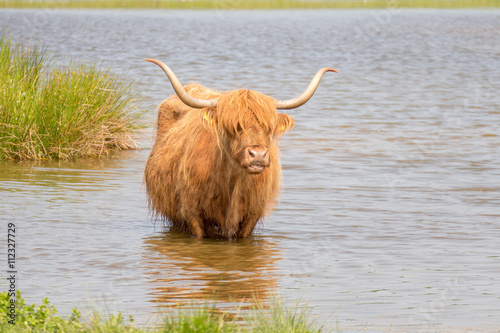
(179, 89)
(307, 94)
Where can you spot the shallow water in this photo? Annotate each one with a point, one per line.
(389, 213)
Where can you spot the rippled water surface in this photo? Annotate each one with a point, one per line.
(389, 213)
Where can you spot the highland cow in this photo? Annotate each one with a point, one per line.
(214, 169)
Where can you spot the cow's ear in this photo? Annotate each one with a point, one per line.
(208, 117)
(285, 123)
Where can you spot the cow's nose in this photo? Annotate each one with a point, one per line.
(258, 155)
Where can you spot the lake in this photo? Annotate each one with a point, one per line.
(389, 217)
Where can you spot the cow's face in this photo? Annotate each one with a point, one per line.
(246, 124)
(249, 143)
(252, 147)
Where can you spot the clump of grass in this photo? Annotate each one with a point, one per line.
(44, 318)
(279, 318)
(205, 318)
(62, 112)
(201, 319)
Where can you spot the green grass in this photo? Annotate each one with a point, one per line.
(279, 318)
(63, 111)
(252, 4)
(202, 319)
(206, 319)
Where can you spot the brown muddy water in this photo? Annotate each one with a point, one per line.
(390, 210)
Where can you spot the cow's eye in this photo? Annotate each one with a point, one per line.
(239, 129)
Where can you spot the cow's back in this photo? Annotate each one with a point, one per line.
(173, 109)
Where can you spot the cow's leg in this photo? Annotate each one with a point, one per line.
(196, 227)
(247, 226)
(230, 228)
(231, 220)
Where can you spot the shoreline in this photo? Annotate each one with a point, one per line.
(253, 5)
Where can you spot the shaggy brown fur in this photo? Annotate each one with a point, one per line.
(195, 175)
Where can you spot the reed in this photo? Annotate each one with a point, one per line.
(52, 111)
(253, 4)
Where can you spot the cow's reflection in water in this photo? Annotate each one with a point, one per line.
(185, 270)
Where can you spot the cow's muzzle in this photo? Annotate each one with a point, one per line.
(256, 159)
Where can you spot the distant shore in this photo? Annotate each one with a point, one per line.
(253, 4)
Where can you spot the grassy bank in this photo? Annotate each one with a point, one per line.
(44, 318)
(252, 4)
(62, 112)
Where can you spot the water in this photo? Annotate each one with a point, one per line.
(389, 213)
